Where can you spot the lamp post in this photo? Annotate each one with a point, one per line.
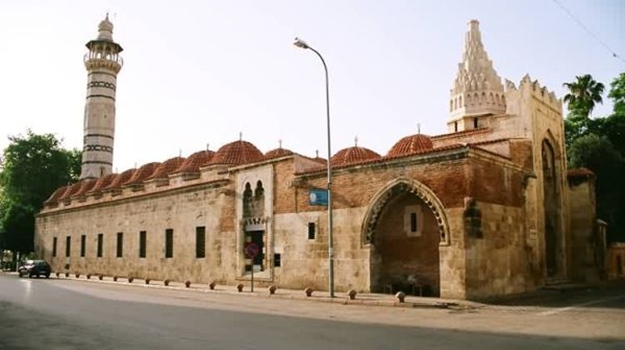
(303, 45)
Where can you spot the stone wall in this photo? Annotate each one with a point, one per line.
(181, 210)
(583, 245)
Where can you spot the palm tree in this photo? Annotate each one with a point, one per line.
(585, 93)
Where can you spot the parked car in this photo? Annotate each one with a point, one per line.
(32, 268)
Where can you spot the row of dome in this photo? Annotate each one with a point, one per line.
(234, 153)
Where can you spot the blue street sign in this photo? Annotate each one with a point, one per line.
(318, 196)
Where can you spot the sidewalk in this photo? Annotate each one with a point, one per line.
(372, 299)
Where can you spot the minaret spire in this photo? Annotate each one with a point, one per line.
(477, 90)
(103, 63)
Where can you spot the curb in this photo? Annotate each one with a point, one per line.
(366, 300)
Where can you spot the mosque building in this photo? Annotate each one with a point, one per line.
(487, 209)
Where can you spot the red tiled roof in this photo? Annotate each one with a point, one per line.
(166, 168)
(352, 155)
(54, 198)
(277, 153)
(70, 191)
(194, 162)
(120, 179)
(85, 186)
(102, 183)
(236, 153)
(410, 145)
(580, 172)
(143, 173)
(422, 152)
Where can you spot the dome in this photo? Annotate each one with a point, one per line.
(85, 186)
(194, 162)
(166, 168)
(105, 29)
(410, 145)
(119, 179)
(580, 173)
(57, 195)
(352, 155)
(102, 182)
(277, 153)
(143, 173)
(237, 152)
(70, 191)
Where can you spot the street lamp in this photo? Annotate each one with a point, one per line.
(303, 45)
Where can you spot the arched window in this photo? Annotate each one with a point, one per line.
(247, 200)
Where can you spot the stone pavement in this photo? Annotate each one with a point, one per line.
(372, 299)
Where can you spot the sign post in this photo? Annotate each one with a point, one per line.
(251, 251)
(318, 196)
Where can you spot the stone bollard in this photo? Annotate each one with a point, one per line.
(88, 276)
(308, 291)
(240, 287)
(187, 284)
(67, 274)
(212, 285)
(115, 278)
(100, 277)
(130, 279)
(272, 289)
(77, 275)
(166, 282)
(147, 281)
(352, 294)
(400, 296)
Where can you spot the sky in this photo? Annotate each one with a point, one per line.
(199, 74)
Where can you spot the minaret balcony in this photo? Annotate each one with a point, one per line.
(114, 63)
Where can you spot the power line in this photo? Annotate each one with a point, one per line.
(614, 54)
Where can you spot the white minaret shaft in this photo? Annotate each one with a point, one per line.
(103, 63)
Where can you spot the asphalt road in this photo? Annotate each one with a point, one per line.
(63, 314)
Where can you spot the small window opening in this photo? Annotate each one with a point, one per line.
(142, 244)
(311, 230)
(120, 244)
(100, 244)
(169, 243)
(200, 242)
(83, 243)
(413, 222)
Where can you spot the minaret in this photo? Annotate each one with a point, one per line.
(103, 63)
(477, 93)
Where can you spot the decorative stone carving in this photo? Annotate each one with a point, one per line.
(403, 186)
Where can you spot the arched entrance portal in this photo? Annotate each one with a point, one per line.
(404, 230)
(553, 227)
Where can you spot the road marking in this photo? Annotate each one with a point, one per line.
(568, 308)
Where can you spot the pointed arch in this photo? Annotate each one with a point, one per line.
(388, 192)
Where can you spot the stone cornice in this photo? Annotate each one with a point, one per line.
(125, 199)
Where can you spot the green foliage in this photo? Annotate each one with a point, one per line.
(33, 166)
(599, 155)
(584, 94)
(599, 145)
(617, 94)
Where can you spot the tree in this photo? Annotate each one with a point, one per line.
(617, 94)
(599, 155)
(33, 166)
(585, 93)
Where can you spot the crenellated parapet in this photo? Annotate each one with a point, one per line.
(539, 93)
